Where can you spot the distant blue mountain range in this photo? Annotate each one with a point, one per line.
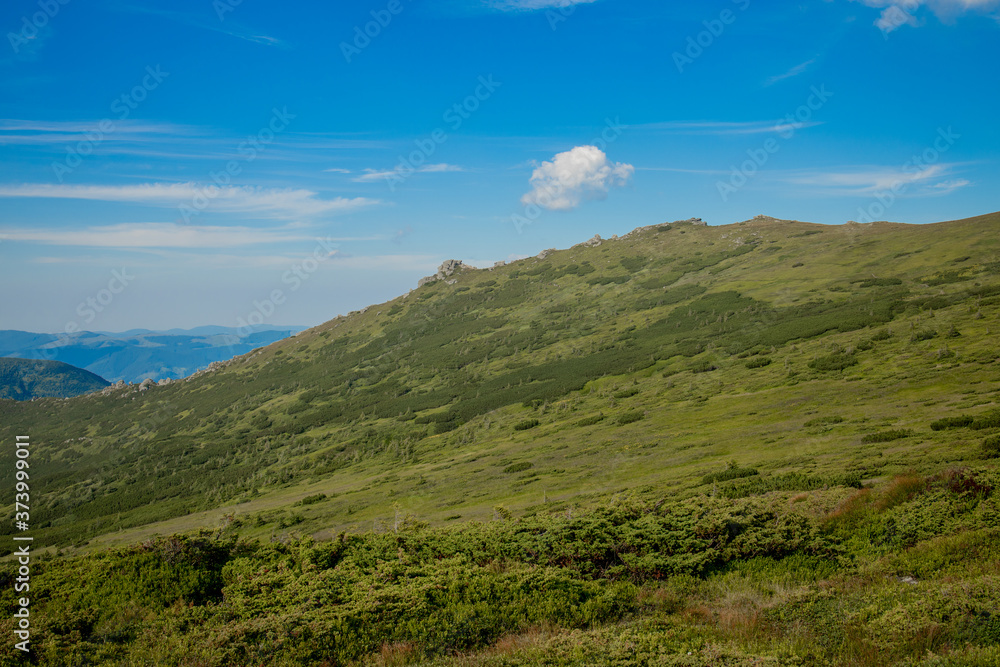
(136, 355)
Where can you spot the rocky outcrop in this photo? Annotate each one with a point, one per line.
(446, 270)
(545, 253)
(592, 243)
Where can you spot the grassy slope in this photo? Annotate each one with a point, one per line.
(603, 541)
(319, 413)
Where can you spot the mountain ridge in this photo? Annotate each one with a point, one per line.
(461, 367)
(25, 380)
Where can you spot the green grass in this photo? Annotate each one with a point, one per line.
(529, 394)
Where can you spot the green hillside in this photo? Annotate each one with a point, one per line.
(25, 379)
(689, 445)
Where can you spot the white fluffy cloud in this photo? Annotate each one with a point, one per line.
(897, 13)
(582, 173)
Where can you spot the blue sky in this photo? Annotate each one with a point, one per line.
(175, 164)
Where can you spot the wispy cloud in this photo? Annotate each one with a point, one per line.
(722, 128)
(793, 72)
(154, 235)
(871, 180)
(260, 202)
(139, 235)
(240, 32)
(532, 5)
(57, 133)
(371, 175)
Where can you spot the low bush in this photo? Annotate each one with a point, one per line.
(991, 447)
(734, 471)
(630, 417)
(590, 421)
(887, 436)
(952, 422)
(837, 361)
(313, 499)
(526, 424)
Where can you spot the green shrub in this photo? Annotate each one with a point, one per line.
(626, 393)
(590, 421)
(922, 334)
(704, 366)
(607, 280)
(526, 424)
(313, 499)
(952, 422)
(887, 436)
(879, 282)
(837, 361)
(759, 362)
(989, 420)
(824, 421)
(633, 264)
(518, 467)
(991, 447)
(734, 471)
(630, 417)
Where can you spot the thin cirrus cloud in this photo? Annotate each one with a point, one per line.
(532, 5)
(371, 175)
(153, 235)
(930, 180)
(722, 128)
(898, 13)
(272, 203)
(801, 68)
(573, 176)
